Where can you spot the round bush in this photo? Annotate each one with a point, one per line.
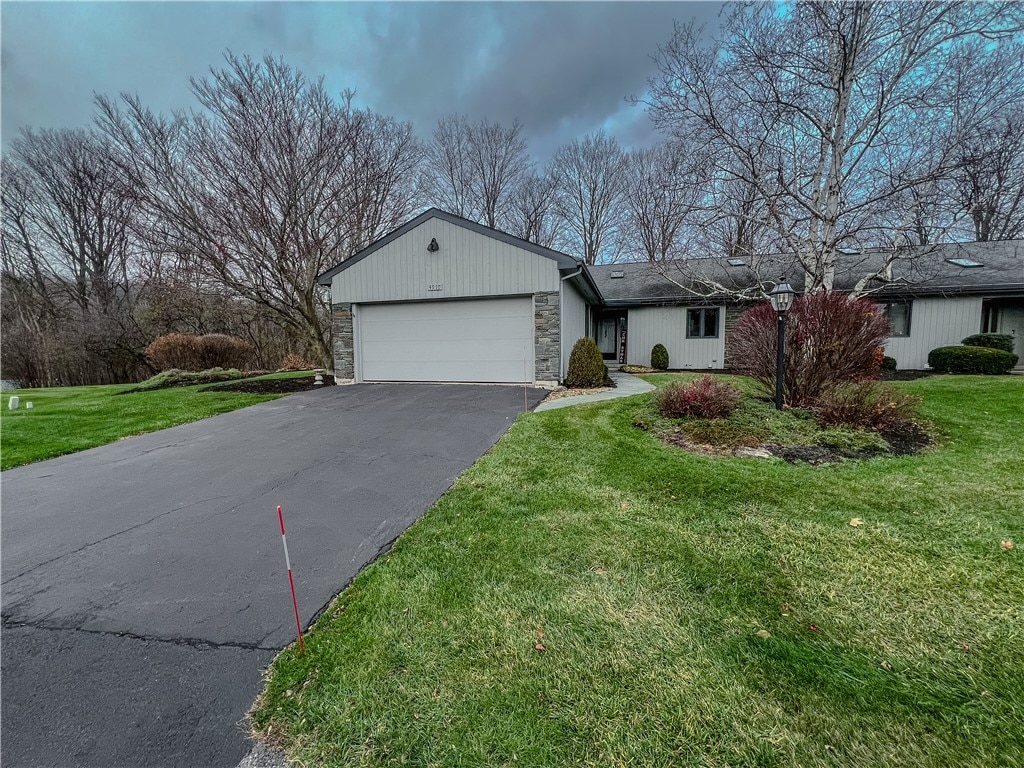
(983, 360)
(888, 363)
(1003, 341)
(659, 357)
(586, 366)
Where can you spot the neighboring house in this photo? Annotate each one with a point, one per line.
(446, 299)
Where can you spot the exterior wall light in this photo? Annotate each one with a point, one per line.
(433, 247)
(781, 297)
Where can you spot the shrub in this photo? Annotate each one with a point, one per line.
(186, 352)
(831, 338)
(982, 360)
(586, 366)
(1003, 341)
(177, 378)
(888, 363)
(175, 351)
(867, 404)
(706, 398)
(293, 362)
(218, 350)
(659, 357)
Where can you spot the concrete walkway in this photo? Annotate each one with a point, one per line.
(625, 385)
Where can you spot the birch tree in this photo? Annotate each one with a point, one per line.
(832, 111)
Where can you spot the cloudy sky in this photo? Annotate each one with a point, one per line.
(562, 69)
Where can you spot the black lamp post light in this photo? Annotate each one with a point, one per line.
(781, 297)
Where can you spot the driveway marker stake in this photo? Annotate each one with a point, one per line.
(291, 581)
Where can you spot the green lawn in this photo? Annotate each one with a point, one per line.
(68, 419)
(586, 595)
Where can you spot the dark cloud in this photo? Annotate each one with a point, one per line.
(562, 69)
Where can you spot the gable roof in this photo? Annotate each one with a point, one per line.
(922, 271)
(564, 260)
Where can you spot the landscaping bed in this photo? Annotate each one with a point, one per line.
(268, 386)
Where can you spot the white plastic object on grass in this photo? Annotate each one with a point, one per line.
(12, 404)
(28, 404)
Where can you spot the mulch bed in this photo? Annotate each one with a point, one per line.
(905, 441)
(272, 386)
(904, 375)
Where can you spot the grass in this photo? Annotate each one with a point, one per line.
(68, 419)
(755, 422)
(691, 610)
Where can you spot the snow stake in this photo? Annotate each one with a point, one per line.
(291, 581)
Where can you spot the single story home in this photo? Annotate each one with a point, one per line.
(445, 299)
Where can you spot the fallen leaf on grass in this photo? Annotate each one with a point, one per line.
(599, 571)
(814, 628)
(856, 522)
(764, 633)
(966, 648)
(1006, 544)
(887, 666)
(539, 647)
(539, 631)
(624, 505)
(786, 609)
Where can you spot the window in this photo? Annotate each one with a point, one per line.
(702, 323)
(737, 263)
(965, 263)
(898, 313)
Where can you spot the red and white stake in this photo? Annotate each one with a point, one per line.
(291, 581)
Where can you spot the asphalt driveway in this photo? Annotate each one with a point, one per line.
(143, 583)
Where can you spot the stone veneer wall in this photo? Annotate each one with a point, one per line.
(344, 351)
(547, 337)
(732, 315)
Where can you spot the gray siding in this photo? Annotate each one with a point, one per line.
(934, 323)
(648, 326)
(574, 321)
(467, 264)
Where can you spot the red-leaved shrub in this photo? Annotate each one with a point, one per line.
(705, 398)
(867, 404)
(831, 338)
(175, 350)
(185, 352)
(218, 350)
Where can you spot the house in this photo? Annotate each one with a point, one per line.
(445, 299)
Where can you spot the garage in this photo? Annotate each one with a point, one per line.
(486, 340)
(446, 299)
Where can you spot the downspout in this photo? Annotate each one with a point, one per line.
(561, 315)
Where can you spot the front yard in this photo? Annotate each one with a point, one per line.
(587, 595)
(68, 419)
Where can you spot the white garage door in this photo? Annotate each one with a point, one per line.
(477, 340)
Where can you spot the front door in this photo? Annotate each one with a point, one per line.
(607, 338)
(1011, 321)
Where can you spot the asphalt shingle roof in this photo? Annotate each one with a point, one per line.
(920, 271)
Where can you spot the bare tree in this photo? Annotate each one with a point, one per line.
(69, 258)
(271, 183)
(831, 111)
(665, 191)
(530, 211)
(591, 180)
(990, 178)
(473, 168)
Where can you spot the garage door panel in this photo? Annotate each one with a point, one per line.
(487, 340)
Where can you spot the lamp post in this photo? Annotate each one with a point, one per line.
(781, 297)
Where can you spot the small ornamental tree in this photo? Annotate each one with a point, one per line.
(659, 357)
(586, 366)
(831, 338)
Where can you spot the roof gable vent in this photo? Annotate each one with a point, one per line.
(617, 274)
(965, 263)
